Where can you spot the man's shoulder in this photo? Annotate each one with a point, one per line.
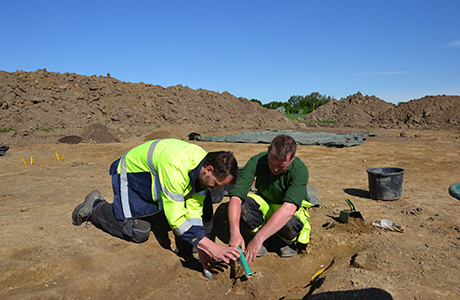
(258, 158)
(260, 155)
(298, 165)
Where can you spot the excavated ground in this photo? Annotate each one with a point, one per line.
(90, 121)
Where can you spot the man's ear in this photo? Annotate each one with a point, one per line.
(208, 170)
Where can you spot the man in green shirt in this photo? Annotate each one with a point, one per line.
(280, 205)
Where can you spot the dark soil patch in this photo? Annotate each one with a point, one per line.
(71, 139)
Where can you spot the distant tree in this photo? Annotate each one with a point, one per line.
(273, 104)
(294, 100)
(281, 109)
(256, 101)
(307, 103)
(300, 104)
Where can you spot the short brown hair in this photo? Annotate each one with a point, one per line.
(223, 163)
(284, 145)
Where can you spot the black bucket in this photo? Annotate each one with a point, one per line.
(385, 183)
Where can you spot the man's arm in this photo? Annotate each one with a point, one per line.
(239, 192)
(279, 218)
(234, 214)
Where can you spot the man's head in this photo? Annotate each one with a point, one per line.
(281, 153)
(219, 169)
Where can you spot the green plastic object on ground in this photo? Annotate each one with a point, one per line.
(245, 264)
(454, 190)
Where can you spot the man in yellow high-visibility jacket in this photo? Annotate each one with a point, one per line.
(163, 182)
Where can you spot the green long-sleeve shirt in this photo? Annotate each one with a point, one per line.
(290, 186)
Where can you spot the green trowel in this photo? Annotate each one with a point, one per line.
(345, 215)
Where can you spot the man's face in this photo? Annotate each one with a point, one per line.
(208, 180)
(277, 165)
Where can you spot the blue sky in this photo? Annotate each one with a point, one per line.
(267, 50)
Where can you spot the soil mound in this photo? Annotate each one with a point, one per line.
(44, 106)
(98, 133)
(429, 112)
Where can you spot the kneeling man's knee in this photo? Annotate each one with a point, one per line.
(292, 229)
(137, 229)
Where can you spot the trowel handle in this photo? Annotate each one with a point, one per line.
(352, 207)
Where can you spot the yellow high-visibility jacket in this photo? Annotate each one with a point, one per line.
(161, 175)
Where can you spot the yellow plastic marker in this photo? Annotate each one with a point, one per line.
(31, 160)
(62, 158)
(319, 272)
(57, 156)
(313, 279)
(24, 160)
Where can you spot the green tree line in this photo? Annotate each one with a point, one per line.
(298, 104)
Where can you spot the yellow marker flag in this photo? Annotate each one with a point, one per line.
(62, 158)
(57, 156)
(24, 160)
(31, 160)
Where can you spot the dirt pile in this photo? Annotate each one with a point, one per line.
(429, 112)
(44, 106)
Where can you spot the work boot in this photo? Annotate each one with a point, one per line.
(262, 251)
(83, 212)
(287, 251)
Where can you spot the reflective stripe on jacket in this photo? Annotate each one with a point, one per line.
(161, 175)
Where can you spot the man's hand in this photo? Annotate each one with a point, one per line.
(253, 249)
(226, 253)
(215, 251)
(205, 259)
(236, 240)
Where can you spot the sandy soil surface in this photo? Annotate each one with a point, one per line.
(43, 256)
